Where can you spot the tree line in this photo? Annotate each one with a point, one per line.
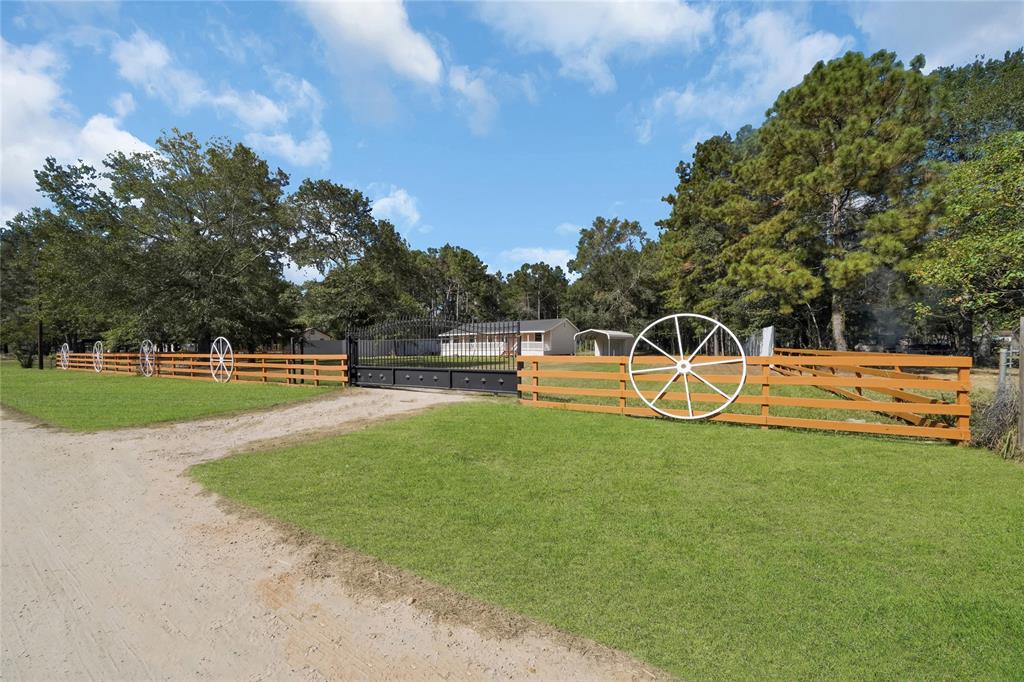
(873, 197)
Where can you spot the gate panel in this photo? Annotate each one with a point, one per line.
(373, 376)
(426, 378)
(437, 353)
(484, 380)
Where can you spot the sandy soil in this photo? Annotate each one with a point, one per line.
(116, 565)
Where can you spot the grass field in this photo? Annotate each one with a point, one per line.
(85, 401)
(712, 551)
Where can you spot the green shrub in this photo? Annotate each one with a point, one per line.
(994, 423)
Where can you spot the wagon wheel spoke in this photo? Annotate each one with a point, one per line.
(729, 361)
(706, 339)
(711, 385)
(657, 348)
(679, 338)
(665, 387)
(652, 370)
(689, 405)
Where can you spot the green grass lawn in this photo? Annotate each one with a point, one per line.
(710, 550)
(85, 401)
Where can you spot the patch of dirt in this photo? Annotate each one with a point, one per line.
(116, 565)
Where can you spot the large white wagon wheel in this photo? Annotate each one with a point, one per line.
(682, 363)
(64, 357)
(222, 360)
(147, 358)
(97, 356)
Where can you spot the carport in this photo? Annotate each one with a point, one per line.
(606, 341)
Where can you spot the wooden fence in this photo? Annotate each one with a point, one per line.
(906, 395)
(293, 370)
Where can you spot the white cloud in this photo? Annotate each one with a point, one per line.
(766, 53)
(314, 150)
(397, 206)
(947, 33)
(235, 46)
(37, 122)
(376, 32)
(475, 99)
(123, 104)
(252, 109)
(147, 63)
(568, 228)
(584, 36)
(536, 254)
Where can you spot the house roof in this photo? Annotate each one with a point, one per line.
(607, 333)
(542, 325)
(508, 327)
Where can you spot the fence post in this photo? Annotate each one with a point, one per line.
(1004, 356)
(263, 370)
(536, 379)
(352, 351)
(765, 392)
(622, 388)
(316, 373)
(963, 397)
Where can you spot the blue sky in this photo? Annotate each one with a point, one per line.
(501, 127)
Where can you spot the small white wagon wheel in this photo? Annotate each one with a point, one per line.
(147, 358)
(63, 358)
(681, 363)
(97, 356)
(222, 360)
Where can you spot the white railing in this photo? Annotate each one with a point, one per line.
(535, 347)
(474, 348)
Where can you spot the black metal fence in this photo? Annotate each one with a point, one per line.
(439, 342)
(436, 353)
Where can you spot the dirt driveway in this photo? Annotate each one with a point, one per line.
(115, 565)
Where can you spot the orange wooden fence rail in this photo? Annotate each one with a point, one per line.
(933, 401)
(293, 370)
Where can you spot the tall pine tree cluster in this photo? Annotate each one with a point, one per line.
(873, 202)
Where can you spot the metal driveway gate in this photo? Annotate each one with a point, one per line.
(436, 353)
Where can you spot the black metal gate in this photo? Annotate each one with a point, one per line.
(436, 353)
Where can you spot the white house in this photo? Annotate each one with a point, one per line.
(535, 337)
(606, 341)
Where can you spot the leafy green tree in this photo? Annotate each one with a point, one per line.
(213, 232)
(20, 305)
(187, 243)
(535, 291)
(332, 225)
(617, 287)
(712, 208)
(975, 257)
(459, 284)
(380, 285)
(974, 102)
(840, 165)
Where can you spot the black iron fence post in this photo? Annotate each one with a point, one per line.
(352, 350)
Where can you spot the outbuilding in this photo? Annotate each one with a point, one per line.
(535, 337)
(605, 341)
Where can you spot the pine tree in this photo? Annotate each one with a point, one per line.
(840, 164)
